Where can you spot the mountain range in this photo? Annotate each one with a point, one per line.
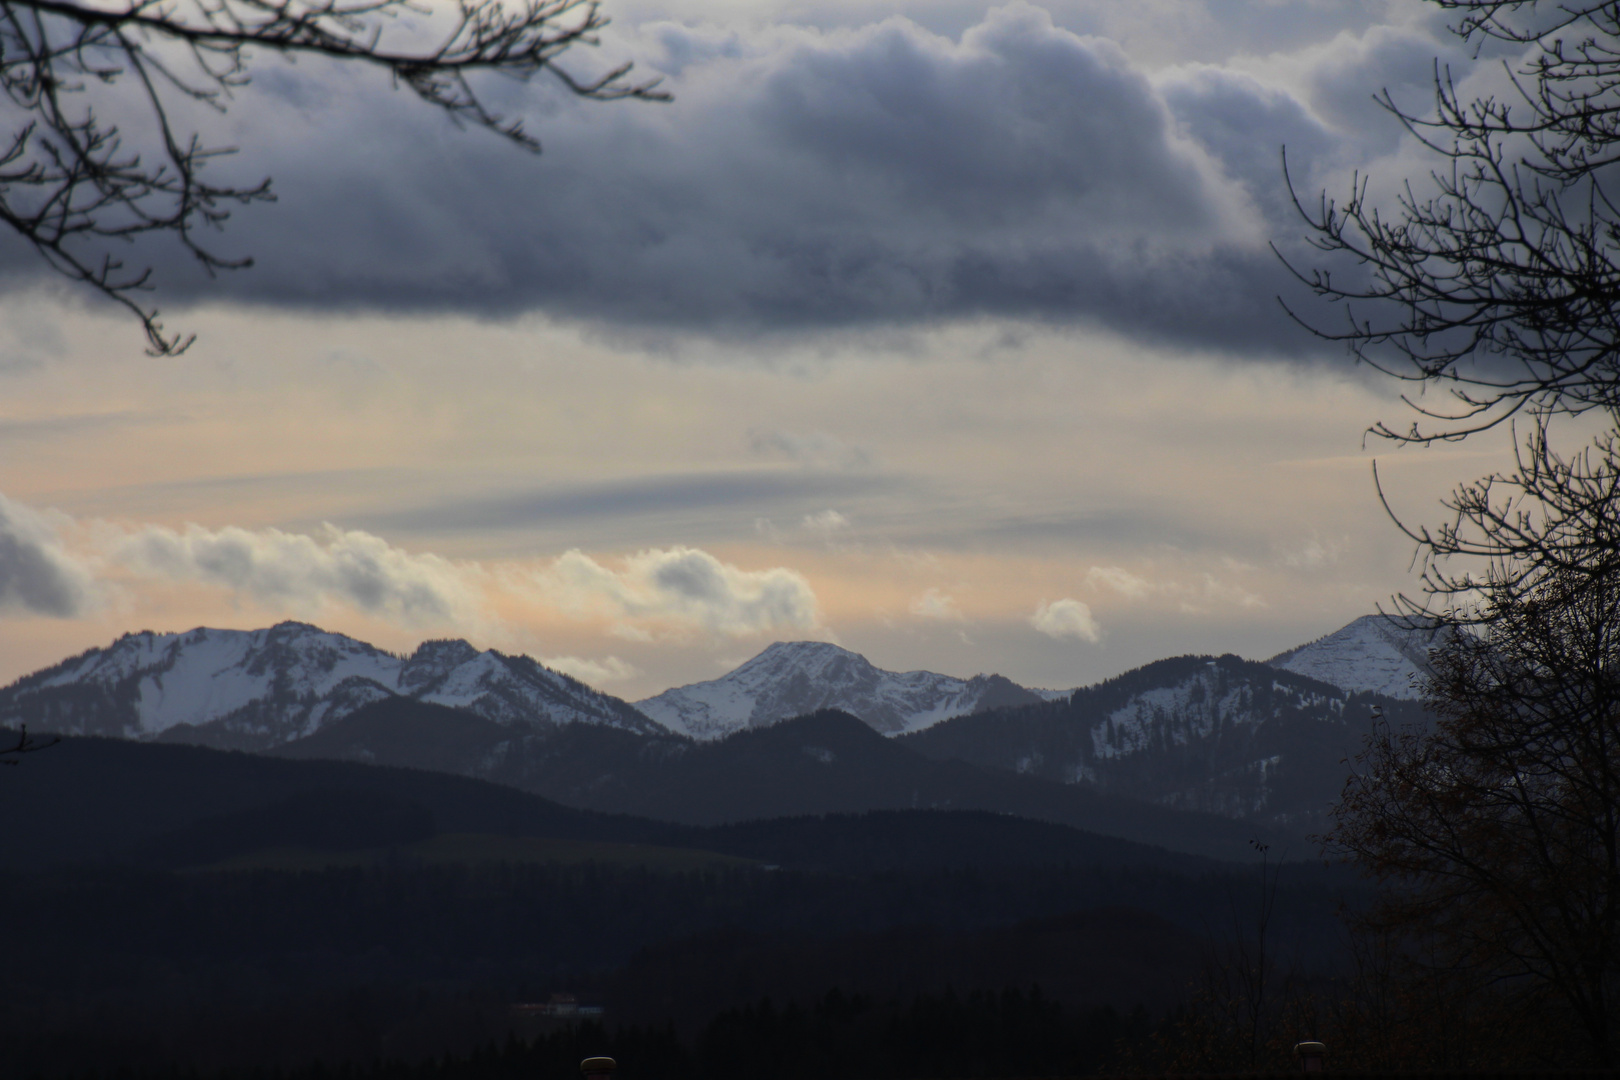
(117, 800)
(251, 690)
(254, 689)
(1201, 739)
(799, 677)
(406, 835)
(1218, 735)
(1375, 654)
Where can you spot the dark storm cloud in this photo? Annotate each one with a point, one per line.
(1246, 125)
(1346, 83)
(802, 180)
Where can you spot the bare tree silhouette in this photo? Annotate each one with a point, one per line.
(76, 185)
(1496, 296)
(1498, 832)
(1493, 291)
(24, 744)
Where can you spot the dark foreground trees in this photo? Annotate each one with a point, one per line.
(1494, 837)
(1492, 288)
(1497, 833)
(80, 187)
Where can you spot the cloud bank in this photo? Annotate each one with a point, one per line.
(1199, 595)
(653, 592)
(300, 573)
(807, 179)
(681, 589)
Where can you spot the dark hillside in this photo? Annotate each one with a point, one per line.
(558, 761)
(825, 763)
(93, 799)
(830, 762)
(362, 962)
(404, 733)
(99, 800)
(341, 911)
(1219, 734)
(903, 840)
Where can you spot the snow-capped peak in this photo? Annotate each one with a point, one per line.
(812, 659)
(1375, 653)
(433, 660)
(252, 689)
(791, 678)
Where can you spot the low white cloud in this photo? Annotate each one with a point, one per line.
(825, 524)
(1211, 592)
(1066, 618)
(609, 669)
(934, 604)
(1315, 554)
(303, 573)
(38, 574)
(1195, 596)
(51, 564)
(1119, 580)
(681, 588)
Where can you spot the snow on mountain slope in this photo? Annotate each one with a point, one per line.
(794, 678)
(1372, 653)
(251, 689)
(1220, 735)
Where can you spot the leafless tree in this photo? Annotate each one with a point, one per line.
(1494, 291)
(77, 186)
(1497, 833)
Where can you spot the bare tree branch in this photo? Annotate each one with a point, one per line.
(1494, 293)
(10, 755)
(71, 184)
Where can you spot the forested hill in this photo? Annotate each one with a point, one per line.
(825, 763)
(190, 905)
(112, 801)
(1221, 734)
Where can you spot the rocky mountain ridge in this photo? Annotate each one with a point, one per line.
(1219, 735)
(261, 688)
(794, 678)
(255, 689)
(1375, 654)
(1262, 743)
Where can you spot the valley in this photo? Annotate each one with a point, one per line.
(418, 842)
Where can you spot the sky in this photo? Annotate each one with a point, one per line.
(947, 332)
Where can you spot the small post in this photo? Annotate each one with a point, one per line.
(1312, 1056)
(598, 1068)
